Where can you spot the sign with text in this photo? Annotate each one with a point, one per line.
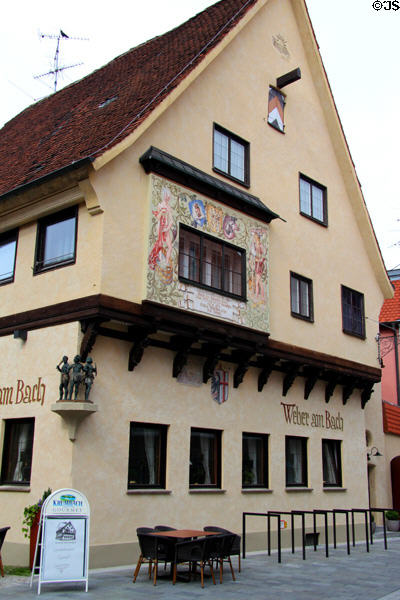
(324, 420)
(23, 393)
(65, 538)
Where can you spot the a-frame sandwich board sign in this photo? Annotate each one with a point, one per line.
(63, 539)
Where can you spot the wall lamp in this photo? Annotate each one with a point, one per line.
(373, 452)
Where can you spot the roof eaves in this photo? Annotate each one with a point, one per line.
(162, 163)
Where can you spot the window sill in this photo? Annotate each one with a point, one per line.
(143, 491)
(206, 491)
(257, 491)
(15, 488)
(334, 489)
(298, 489)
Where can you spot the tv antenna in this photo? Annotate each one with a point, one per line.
(61, 36)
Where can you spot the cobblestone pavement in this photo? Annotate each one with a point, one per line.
(373, 575)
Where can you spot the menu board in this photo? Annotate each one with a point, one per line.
(64, 549)
(64, 552)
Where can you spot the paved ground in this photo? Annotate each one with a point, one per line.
(360, 576)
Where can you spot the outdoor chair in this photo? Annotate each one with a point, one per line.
(3, 531)
(142, 558)
(235, 551)
(164, 528)
(153, 549)
(194, 552)
(224, 553)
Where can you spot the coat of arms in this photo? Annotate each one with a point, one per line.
(220, 385)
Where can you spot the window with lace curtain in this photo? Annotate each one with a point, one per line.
(56, 240)
(254, 460)
(17, 451)
(147, 456)
(296, 461)
(209, 263)
(205, 458)
(332, 463)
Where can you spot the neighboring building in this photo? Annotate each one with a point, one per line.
(389, 321)
(189, 217)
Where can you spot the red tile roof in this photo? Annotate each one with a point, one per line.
(87, 117)
(391, 418)
(390, 310)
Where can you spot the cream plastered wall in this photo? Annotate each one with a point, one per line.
(150, 394)
(30, 291)
(233, 92)
(28, 364)
(97, 462)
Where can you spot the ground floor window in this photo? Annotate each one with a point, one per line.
(205, 458)
(296, 461)
(254, 460)
(147, 455)
(331, 463)
(17, 451)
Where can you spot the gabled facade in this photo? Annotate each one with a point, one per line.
(185, 217)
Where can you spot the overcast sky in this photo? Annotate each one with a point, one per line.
(360, 47)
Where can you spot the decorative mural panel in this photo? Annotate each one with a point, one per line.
(172, 205)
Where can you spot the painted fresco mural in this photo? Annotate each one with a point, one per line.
(172, 204)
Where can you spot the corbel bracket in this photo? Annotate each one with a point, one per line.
(292, 371)
(366, 393)
(213, 353)
(330, 387)
(267, 368)
(182, 345)
(141, 341)
(243, 360)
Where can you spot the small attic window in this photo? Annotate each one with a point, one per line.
(107, 102)
(276, 107)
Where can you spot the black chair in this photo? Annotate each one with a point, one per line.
(235, 551)
(164, 528)
(225, 551)
(3, 531)
(141, 531)
(199, 551)
(153, 549)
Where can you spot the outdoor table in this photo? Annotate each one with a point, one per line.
(183, 534)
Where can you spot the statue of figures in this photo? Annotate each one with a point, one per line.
(90, 371)
(64, 381)
(75, 377)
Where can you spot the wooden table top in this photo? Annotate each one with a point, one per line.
(182, 533)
